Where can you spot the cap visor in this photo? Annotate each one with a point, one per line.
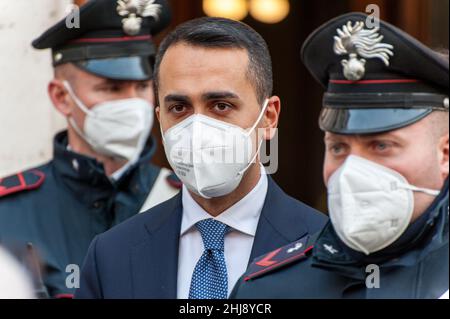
(135, 68)
(368, 121)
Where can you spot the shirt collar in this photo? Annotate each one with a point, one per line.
(242, 216)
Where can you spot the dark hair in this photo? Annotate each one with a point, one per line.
(225, 33)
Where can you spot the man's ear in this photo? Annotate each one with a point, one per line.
(443, 154)
(158, 113)
(60, 98)
(271, 117)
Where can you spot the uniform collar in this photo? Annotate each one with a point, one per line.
(427, 234)
(82, 173)
(242, 216)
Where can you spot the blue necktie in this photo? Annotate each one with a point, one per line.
(210, 279)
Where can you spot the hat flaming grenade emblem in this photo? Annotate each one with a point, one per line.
(355, 41)
(134, 10)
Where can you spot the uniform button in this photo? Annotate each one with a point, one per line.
(58, 57)
(75, 165)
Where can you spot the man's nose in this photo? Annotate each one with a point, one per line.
(361, 151)
(132, 90)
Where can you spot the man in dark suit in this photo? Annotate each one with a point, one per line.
(214, 80)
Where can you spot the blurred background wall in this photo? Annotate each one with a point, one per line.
(28, 122)
(27, 118)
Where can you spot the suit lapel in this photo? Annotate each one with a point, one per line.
(280, 222)
(154, 262)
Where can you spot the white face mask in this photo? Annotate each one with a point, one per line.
(370, 205)
(118, 129)
(210, 156)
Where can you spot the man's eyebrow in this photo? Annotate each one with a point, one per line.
(219, 95)
(110, 82)
(177, 98)
(329, 138)
(120, 82)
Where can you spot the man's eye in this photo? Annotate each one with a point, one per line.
(222, 107)
(144, 85)
(381, 146)
(113, 88)
(179, 108)
(336, 149)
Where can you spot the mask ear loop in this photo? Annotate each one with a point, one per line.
(266, 104)
(263, 111)
(78, 102)
(427, 191)
(162, 134)
(82, 107)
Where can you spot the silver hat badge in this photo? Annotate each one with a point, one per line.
(134, 10)
(356, 41)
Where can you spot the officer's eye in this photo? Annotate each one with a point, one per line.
(111, 88)
(144, 85)
(337, 149)
(381, 146)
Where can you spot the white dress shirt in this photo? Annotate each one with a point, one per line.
(242, 218)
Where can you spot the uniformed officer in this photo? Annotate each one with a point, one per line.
(386, 119)
(101, 173)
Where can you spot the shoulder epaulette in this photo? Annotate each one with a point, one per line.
(21, 182)
(281, 257)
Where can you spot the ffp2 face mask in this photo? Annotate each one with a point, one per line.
(210, 156)
(370, 205)
(118, 128)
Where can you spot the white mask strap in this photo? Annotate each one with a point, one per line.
(427, 191)
(263, 111)
(162, 134)
(253, 159)
(79, 131)
(78, 102)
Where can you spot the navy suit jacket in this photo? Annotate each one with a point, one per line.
(139, 258)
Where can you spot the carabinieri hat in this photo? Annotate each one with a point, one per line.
(377, 79)
(113, 38)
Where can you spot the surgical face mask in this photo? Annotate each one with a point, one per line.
(118, 129)
(210, 156)
(370, 205)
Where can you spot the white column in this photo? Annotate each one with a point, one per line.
(28, 119)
